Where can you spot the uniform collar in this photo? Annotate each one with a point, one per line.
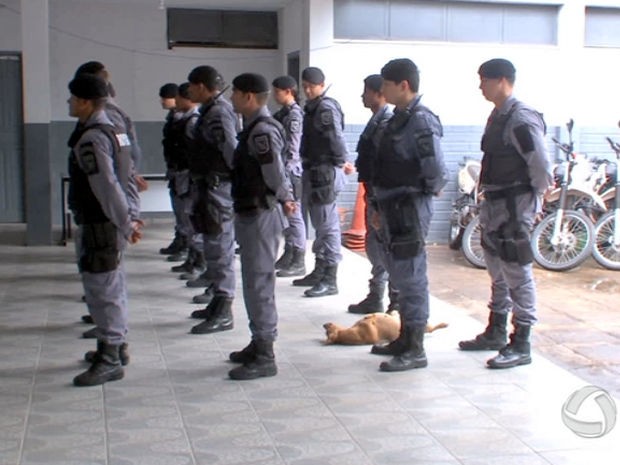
(98, 117)
(262, 111)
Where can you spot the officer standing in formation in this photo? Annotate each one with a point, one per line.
(515, 174)
(367, 147)
(261, 191)
(178, 134)
(100, 170)
(123, 125)
(323, 153)
(292, 262)
(210, 165)
(409, 171)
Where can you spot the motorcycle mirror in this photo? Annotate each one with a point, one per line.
(570, 125)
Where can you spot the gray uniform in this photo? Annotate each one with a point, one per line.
(291, 118)
(323, 152)
(367, 149)
(410, 171)
(101, 208)
(215, 136)
(519, 128)
(258, 217)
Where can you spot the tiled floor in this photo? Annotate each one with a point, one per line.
(328, 404)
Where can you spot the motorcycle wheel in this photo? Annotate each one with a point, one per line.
(472, 247)
(576, 241)
(605, 252)
(455, 235)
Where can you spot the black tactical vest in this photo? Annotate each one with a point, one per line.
(502, 165)
(249, 190)
(176, 144)
(317, 152)
(366, 149)
(205, 156)
(82, 201)
(398, 164)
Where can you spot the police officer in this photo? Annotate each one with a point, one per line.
(100, 169)
(178, 134)
(210, 165)
(323, 153)
(367, 146)
(409, 171)
(123, 125)
(260, 188)
(292, 262)
(515, 174)
(167, 97)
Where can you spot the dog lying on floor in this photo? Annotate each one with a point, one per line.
(374, 328)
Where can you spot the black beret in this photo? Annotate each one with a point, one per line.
(184, 90)
(398, 70)
(88, 87)
(313, 75)
(206, 75)
(251, 82)
(497, 68)
(374, 82)
(90, 67)
(284, 83)
(169, 90)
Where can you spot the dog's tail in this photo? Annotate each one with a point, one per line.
(431, 328)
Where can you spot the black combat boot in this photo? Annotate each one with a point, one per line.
(413, 356)
(200, 281)
(371, 304)
(245, 355)
(123, 354)
(91, 333)
(396, 347)
(187, 265)
(219, 316)
(297, 265)
(315, 275)
(326, 286)
(263, 364)
(177, 244)
(285, 259)
(205, 298)
(106, 367)
(88, 320)
(517, 352)
(393, 306)
(494, 336)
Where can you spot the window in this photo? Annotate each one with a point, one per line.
(222, 28)
(602, 27)
(447, 21)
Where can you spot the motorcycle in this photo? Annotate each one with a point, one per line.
(464, 207)
(606, 250)
(563, 239)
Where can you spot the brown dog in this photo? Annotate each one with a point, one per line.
(374, 328)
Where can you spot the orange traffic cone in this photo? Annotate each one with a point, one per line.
(355, 237)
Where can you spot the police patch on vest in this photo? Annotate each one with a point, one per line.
(123, 140)
(294, 126)
(425, 145)
(524, 138)
(88, 160)
(263, 148)
(218, 134)
(327, 118)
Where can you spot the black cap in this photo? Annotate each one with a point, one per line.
(374, 82)
(90, 67)
(313, 75)
(251, 82)
(206, 75)
(184, 90)
(497, 68)
(398, 70)
(284, 83)
(88, 87)
(169, 90)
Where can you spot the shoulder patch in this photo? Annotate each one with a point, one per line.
(326, 117)
(524, 138)
(87, 158)
(294, 126)
(262, 144)
(218, 134)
